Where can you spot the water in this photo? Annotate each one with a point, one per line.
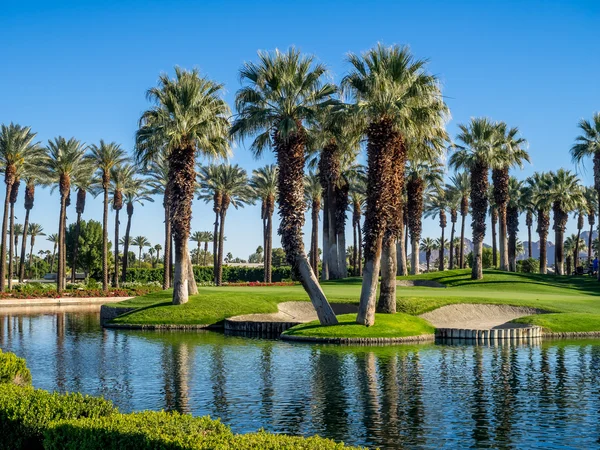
(426, 396)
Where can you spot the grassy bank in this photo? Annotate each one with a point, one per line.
(575, 298)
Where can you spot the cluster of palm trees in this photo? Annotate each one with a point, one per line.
(388, 102)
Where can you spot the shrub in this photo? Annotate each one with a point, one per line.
(487, 259)
(13, 369)
(266, 441)
(26, 413)
(204, 274)
(529, 265)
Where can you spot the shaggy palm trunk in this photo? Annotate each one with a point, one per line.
(569, 264)
(560, 224)
(354, 249)
(269, 253)
(116, 274)
(442, 242)
(314, 236)
(387, 294)
(427, 258)
(79, 209)
(453, 218)
(341, 204)
(126, 243)
(205, 257)
(542, 229)
(380, 151)
(182, 183)
(401, 262)
(217, 210)
(219, 271)
(13, 198)
(290, 178)
(591, 221)
(479, 205)
(464, 210)
(325, 265)
(332, 250)
(500, 178)
(494, 237)
(9, 179)
(579, 227)
(513, 228)
(529, 224)
(29, 197)
(330, 174)
(360, 250)
(168, 240)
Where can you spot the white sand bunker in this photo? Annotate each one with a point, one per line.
(423, 283)
(298, 312)
(478, 317)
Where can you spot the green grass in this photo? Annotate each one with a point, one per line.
(386, 326)
(577, 297)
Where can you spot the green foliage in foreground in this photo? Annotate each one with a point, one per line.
(13, 370)
(386, 326)
(32, 419)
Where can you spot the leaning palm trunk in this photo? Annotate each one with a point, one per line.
(9, 184)
(479, 204)
(542, 229)
(290, 159)
(380, 151)
(182, 183)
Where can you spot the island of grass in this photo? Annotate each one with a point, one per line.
(573, 302)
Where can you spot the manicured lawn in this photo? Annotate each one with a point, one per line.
(576, 296)
(386, 326)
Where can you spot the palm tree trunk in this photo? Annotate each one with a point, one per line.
(414, 257)
(559, 248)
(402, 268)
(10, 245)
(191, 278)
(387, 292)
(512, 253)
(116, 274)
(479, 204)
(269, 252)
(494, 240)
(503, 243)
(354, 250)
(126, 247)
(441, 254)
(342, 263)
(216, 248)
(335, 272)
(590, 245)
(360, 250)
(61, 236)
(24, 247)
(314, 237)
(76, 247)
(325, 265)
(140, 257)
(451, 261)
(167, 252)
(204, 261)
(198, 255)
(52, 260)
(3, 240)
(31, 252)
(576, 254)
(529, 246)
(427, 260)
(462, 241)
(219, 272)
(105, 240)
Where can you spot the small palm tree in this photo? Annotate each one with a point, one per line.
(85, 182)
(64, 160)
(188, 118)
(454, 198)
(200, 237)
(312, 194)
(54, 239)
(17, 232)
(461, 185)
(140, 242)
(264, 184)
(35, 230)
(428, 245)
(357, 200)
(538, 187)
(158, 249)
(105, 157)
(513, 208)
(436, 205)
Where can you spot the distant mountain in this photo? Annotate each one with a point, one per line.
(535, 248)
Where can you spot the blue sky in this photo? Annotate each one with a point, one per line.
(82, 68)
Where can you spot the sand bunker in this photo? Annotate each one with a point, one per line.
(478, 317)
(299, 312)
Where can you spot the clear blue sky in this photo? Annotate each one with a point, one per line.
(82, 68)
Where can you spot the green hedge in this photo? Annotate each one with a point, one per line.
(13, 370)
(26, 413)
(204, 274)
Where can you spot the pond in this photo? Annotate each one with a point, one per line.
(404, 396)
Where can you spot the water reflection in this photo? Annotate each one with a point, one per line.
(427, 396)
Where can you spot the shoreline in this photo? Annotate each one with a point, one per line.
(21, 302)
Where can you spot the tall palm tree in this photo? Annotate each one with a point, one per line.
(421, 175)
(85, 182)
(453, 198)
(588, 144)
(157, 171)
(513, 209)
(54, 239)
(18, 232)
(427, 245)
(436, 205)
(281, 94)
(563, 194)
(211, 190)
(17, 149)
(397, 100)
(441, 245)
(105, 157)
(135, 190)
(461, 185)
(538, 187)
(479, 143)
(313, 192)
(580, 214)
(140, 242)
(189, 117)
(528, 205)
(264, 183)
(494, 220)
(573, 244)
(32, 177)
(35, 230)
(199, 237)
(64, 160)
(591, 200)
(232, 183)
(511, 153)
(14, 193)
(357, 199)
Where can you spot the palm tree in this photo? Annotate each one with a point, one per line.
(264, 183)
(312, 193)
(461, 186)
(54, 239)
(189, 117)
(581, 212)
(105, 157)
(158, 249)
(135, 191)
(85, 182)
(157, 172)
(280, 95)
(573, 244)
(17, 232)
(140, 242)
(232, 183)
(32, 176)
(538, 187)
(436, 205)
(420, 174)
(441, 245)
(479, 143)
(64, 160)
(563, 194)
(591, 200)
(427, 245)
(17, 150)
(453, 198)
(397, 100)
(210, 190)
(528, 205)
(510, 153)
(35, 230)
(494, 219)
(588, 144)
(513, 209)
(357, 199)
(200, 237)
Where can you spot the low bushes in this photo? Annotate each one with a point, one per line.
(13, 370)
(204, 274)
(77, 291)
(529, 265)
